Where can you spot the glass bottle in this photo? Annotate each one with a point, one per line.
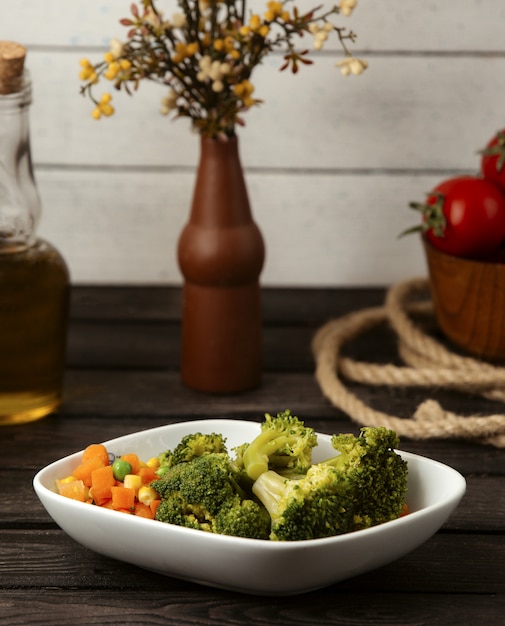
(34, 279)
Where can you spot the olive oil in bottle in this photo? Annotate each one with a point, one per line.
(34, 279)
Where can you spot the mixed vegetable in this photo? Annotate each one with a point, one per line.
(121, 483)
(269, 488)
(465, 215)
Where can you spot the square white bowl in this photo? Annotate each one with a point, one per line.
(251, 566)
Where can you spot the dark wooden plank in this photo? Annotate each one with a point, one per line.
(179, 605)
(446, 563)
(102, 405)
(122, 332)
(156, 345)
(164, 303)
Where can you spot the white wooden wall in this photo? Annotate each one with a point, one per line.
(331, 162)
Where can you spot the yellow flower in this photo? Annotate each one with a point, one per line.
(244, 91)
(229, 43)
(191, 49)
(88, 72)
(112, 70)
(255, 23)
(183, 51)
(103, 107)
(168, 103)
(275, 10)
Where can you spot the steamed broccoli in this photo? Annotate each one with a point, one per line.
(309, 506)
(190, 447)
(363, 486)
(243, 518)
(284, 444)
(376, 474)
(204, 493)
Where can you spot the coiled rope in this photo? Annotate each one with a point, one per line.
(427, 364)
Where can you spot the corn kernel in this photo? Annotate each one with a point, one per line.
(132, 481)
(153, 463)
(146, 495)
(68, 479)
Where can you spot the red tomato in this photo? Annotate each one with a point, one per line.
(465, 216)
(492, 162)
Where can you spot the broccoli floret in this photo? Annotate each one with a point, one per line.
(364, 485)
(243, 518)
(284, 445)
(376, 474)
(204, 493)
(306, 507)
(191, 446)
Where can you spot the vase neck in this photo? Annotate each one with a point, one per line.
(220, 197)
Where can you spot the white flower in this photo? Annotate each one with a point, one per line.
(152, 18)
(351, 65)
(179, 20)
(116, 48)
(320, 33)
(215, 71)
(319, 39)
(347, 6)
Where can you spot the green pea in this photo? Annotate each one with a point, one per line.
(120, 468)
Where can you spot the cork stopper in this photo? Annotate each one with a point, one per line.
(12, 61)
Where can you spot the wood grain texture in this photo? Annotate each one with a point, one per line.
(178, 607)
(342, 158)
(469, 300)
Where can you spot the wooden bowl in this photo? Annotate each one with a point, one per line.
(469, 302)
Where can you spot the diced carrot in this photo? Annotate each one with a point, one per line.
(142, 510)
(75, 490)
(133, 460)
(154, 505)
(123, 498)
(102, 479)
(405, 510)
(83, 471)
(147, 474)
(107, 504)
(96, 450)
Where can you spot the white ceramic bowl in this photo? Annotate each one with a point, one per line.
(248, 565)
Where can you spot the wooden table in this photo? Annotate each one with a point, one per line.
(122, 377)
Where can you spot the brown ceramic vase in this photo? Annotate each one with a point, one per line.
(221, 255)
